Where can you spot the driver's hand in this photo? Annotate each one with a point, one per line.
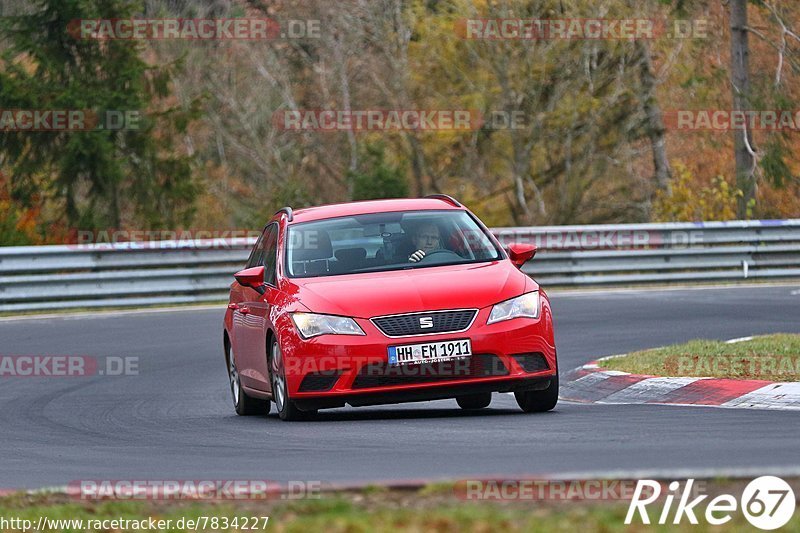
(416, 256)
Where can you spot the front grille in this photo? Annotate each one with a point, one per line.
(319, 381)
(383, 375)
(531, 362)
(442, 322)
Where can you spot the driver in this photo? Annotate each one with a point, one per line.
(426, 239)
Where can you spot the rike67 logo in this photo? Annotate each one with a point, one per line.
(767, 502)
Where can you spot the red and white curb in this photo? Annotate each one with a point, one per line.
(591, 384)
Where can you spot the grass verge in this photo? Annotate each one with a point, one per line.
(768, 357)
(366, 511)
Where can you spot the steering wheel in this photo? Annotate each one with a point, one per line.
(441, 253)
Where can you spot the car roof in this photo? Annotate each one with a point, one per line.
(371, 206)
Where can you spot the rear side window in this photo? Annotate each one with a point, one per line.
(265, 253)
(255, 254)
(270, 257)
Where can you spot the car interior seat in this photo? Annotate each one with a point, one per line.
(349, 259)
(314, 257)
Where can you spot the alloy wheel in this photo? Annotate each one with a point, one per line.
(278, 377)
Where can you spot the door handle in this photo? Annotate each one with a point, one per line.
(244, 310)
(233, 307)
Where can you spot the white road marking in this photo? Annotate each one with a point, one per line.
(772, 396)
(647, 389)
(739, 339)
(784, 396)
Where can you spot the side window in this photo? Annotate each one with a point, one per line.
(258, 250)
(269, 257)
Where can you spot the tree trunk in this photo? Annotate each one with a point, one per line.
(740, 77)
(655, 122)
(418, 166)
(345, 88)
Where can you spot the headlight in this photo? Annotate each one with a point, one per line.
(311, 324)
(526, 305)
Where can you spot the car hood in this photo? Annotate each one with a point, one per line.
(406, 291)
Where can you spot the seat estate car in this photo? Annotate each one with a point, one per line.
(386, 301)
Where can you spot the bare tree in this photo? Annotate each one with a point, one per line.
(654, 126)
(744, 151)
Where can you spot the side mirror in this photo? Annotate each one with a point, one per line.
(251, 277)
(521, 253)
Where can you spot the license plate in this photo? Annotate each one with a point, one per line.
(427, 352)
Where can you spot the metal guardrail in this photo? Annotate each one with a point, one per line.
(167, 272)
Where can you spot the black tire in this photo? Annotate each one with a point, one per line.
(474, 401)
(539, 401)
(287, 409)
(243, 404)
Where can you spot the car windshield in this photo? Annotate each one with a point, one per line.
(386, 241)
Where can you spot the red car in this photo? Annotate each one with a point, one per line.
(382, 302)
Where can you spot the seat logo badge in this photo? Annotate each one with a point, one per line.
(426, 322)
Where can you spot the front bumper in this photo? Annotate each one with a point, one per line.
(422, 394)
(331, 370)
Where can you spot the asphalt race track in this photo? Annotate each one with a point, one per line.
(175, 420)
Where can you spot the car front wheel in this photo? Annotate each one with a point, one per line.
(287, 410)
(538, 401)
